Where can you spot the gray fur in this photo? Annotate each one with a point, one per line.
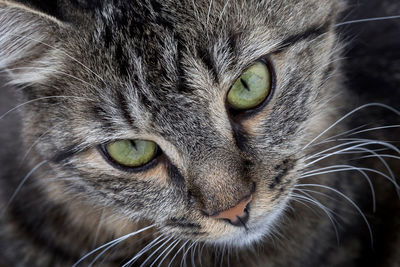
(160, 71)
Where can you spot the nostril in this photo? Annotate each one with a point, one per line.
(240, 221)
(236, 213)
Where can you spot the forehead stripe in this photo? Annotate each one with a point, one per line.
(311, 32)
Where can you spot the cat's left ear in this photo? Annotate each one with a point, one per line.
(29, 43)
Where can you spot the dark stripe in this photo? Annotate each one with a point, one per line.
(65, 154)
(181, 73)
(283, 169)
(312, 32)
(232, 41)
(124, 107)
(175, 175)
(122, 60)
(328, 71)
(240, 136)
(181, 222)
(100, 114)
(208, 61)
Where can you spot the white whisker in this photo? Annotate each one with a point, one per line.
(98, 228)
(332, 138)
(61, 51)
(348, 199)
(111, 243)
(149, 246)
(349, 114)
(381, 155)
(367, 20)
(223, 11)
(38, 99)
(23, 181)
(375, 128)
(155, 251)
(325, 209)
(37, 141)
(176, 254)
(192, 252)
(360, 145)
(54, 71)
(174, 244)
(186, 252)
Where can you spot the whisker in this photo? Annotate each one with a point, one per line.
(391, 174)
(321, 206)
(23, 181)
(154, 252)
(61, 51)
(98, 228)
(110, 247)
(331, 138)
(349, 114)
(117, 240)
(208, 16)
(359, 169)
(348, 199)
(333, 148)
(324, 152)
(352, 152)
(365, 143)
(149, 246)
(186, 252)
(376, 128)
(380, 158)
(199, 255)
(175, 243)
(223, 11)
(192, 252)
(54, 71)
(318, 193)
(176, 254)
(382, 155)
(37, 141)
(293, 198)
(222, 256)
(366, 20)
(38, 99)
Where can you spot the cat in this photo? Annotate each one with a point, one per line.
(194, 133)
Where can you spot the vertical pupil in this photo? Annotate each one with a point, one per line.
(244, 84)
(134, 145)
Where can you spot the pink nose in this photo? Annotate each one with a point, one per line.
(235, 213)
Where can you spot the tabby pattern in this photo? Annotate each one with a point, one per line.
(91, 72)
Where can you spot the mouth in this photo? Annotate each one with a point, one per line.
(258, 222)
(255, 230)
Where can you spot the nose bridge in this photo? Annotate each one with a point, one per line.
(215, 169)
(219, 182)
(194, 134)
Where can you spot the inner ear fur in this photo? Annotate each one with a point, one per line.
(29, 43)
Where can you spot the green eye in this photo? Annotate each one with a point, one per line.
(131, 153)
(252, 87)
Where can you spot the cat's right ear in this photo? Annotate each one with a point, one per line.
(29, 44)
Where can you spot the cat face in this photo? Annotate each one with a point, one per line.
(161, 73)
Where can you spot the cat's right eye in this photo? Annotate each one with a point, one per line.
(130, 153)
(251, 88)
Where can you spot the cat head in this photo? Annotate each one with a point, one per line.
(189, 114)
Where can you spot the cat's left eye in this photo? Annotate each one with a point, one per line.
(130, 153)
(251, 88)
